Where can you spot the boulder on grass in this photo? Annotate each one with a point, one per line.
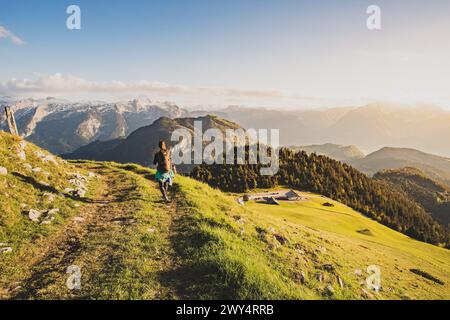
(34, 215)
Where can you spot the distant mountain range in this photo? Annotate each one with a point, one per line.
(369, 127)
(334, 151)
(61, 126)
(435, 167)
(432, 195)
(140, 146)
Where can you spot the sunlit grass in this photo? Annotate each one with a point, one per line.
(204, 245)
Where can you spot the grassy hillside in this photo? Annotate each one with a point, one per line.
(33, 180)
(203, 245)
(341, 237)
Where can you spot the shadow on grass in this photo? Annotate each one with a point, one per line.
(140, 171)
(46, 273)
(193, 275)
(37, 185)
(45, 188)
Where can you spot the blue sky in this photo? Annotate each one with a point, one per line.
(271, 51)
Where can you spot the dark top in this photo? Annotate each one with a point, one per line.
(160, 159)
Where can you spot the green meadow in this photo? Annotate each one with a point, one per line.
(352, 242)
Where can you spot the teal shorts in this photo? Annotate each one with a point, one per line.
(164, 176)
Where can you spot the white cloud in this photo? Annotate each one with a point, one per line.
(6, 34)
(72, 87)
(68, 84)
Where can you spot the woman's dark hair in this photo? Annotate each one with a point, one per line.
(162, 145)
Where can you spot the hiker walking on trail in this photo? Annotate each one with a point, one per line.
(164, 170)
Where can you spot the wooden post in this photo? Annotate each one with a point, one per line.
(12, 126)
(13, 120)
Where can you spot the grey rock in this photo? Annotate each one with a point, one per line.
(53, 211)
(6, 250)
(80, 193)
(37, 215)
(78, 184)
(77, 176)
(34, 215)
(48, 220)
(46, 157)
(22, 156)
(49, 197)
(92, 175)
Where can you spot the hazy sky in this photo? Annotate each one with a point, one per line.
(268, 52)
